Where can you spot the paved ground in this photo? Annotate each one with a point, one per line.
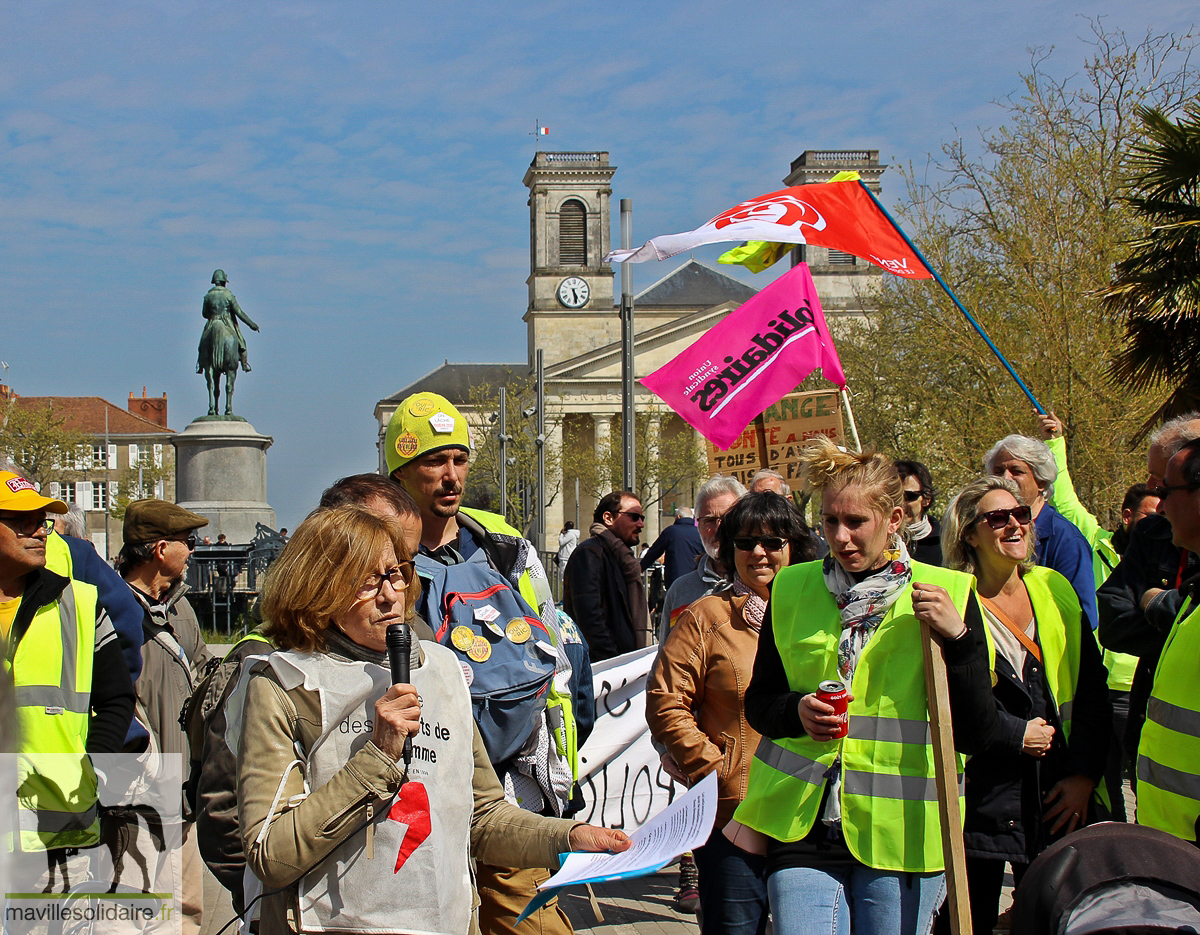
(642, 905)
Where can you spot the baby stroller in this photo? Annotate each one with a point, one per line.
(1111, 879)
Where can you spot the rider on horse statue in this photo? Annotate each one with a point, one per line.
(222, 346)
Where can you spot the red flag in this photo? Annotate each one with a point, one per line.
(838, 215)
(750, 360)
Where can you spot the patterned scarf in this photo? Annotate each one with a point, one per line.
(755, 607)
(863, 603)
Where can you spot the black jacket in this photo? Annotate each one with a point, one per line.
(1006, 787)
(596, 598)
(682, 545)
(1149, 561)
(929, 549)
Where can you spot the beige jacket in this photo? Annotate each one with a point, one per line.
(695, 700)
(301, 837)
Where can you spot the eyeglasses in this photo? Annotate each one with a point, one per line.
(912, 496)
(399, 576)
(770, 543)
(636, 517)
(1164, 491)
(26, 524)
(998, 519)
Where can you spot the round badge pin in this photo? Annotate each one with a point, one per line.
(517, 630)
(462, 638)
(407, 445)
(481, 650)
(421, 407)
(468, 673)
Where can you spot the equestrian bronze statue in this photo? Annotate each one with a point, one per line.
(222, 346)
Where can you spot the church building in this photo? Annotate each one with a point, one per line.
(573, 318)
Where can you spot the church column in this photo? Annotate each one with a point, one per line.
(554, 510)
(654, 514)
(603, 428)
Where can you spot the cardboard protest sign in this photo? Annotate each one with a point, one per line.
(787, 426)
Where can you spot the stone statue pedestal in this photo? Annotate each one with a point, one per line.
(221, 473)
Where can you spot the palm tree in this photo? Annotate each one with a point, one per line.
(1157, 287)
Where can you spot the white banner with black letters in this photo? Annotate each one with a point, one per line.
(623, 783)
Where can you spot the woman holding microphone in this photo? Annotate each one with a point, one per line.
(344, 829)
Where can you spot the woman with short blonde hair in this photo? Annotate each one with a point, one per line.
(316, 577)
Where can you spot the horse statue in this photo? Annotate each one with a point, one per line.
(222, 346)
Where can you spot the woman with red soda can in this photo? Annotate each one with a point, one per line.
(848, 803)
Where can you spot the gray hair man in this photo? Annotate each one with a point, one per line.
(765, 480)
(714, 498)
(1141, 599)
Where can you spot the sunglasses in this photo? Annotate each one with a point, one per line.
(636, 517)
(912, 496)
(1165, 490)
(770, 543)
(998, 519)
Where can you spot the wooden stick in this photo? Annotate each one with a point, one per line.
(958, 904)
(760, 431)
(850, 418)
(595, 905)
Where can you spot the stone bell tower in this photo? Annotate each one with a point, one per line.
(570, 286)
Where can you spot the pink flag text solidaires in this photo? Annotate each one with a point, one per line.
(751, 360)
(839, 215)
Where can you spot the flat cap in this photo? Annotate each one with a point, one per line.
(150, 520)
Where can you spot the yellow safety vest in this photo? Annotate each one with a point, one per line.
(51, 669)
(888, 792)
(1057, 611)
(1168, 763)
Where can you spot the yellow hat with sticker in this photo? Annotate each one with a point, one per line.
(422, 423)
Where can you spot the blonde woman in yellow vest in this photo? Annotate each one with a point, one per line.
(1036, 784)
(853, 835)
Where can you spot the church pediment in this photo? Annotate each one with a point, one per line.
(652, 348)
(694, 285)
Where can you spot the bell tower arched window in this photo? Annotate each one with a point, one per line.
(572, 233)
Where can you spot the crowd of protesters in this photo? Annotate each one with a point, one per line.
(1070, 654)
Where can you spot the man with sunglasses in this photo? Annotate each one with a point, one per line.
(159, 539)
(603, 589)
(61, 716)
(1141, 598)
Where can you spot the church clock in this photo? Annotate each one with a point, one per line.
(574, 292)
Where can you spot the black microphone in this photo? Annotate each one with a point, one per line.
(399, 645)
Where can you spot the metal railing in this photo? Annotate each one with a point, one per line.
(226, 579)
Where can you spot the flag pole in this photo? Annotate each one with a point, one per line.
(850, 418)
(953, 298)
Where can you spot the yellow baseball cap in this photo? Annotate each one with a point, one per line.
(422, 423)
(20, 496)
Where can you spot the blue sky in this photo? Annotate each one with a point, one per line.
(356, 170)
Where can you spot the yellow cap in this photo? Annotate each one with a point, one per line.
(422, 423)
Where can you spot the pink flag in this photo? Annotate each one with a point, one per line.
(751, 360)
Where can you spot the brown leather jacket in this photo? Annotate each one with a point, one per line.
(694, 700)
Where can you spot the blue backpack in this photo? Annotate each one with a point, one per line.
(506, 653)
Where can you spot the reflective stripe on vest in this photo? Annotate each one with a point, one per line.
(888, 792)
(1057, 611)
(1168, 763)
(52, 675)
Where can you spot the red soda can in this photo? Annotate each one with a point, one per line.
(836, 695)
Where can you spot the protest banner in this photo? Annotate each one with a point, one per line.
(787, 426)
(623, 782)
